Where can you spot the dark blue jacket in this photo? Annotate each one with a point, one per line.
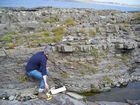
(36, 61)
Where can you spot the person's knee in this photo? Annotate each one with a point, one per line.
(36, 74)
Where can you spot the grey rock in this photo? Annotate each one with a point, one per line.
(66, 49)
(11, 86)
(75, 95)
(11, 98)
(133, 102)
(110, 103)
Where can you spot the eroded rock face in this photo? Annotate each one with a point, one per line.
(99, 51)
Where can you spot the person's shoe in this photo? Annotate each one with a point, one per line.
(42, 96)
(40, 90)
(29, 78)
(32, 79)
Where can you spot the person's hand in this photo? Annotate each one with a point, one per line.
(47, 68)
(47, 86)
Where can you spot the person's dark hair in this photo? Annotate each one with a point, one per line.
(47, 49)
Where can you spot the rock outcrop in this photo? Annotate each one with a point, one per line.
(93, 50)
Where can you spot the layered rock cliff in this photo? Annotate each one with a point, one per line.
(93, 50)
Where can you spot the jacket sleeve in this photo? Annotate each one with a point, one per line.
(43, 65)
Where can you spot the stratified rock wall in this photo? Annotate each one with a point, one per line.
(99, 49)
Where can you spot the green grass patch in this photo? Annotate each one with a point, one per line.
(110, 68)
(86, 38)
(97, 29)
(49, 20)
(22, 78)
(103, 54)
(105, 78)
(82, 31)
(58, 33)
(70, 22)
(92, 86)
(124, 57)
(46, 33)
(11, 33)
(94, 52)
(135, 34)
(126, 25)
(9, 45)
(57, 38)
(49, 40)
(86, 66)
(94, 70)
(7, 38)
(83, 72)
(109, 80)
(92, 32)
(115, 56)
(95, 62)
(116, 65)
(21, 41)
(19, 61)
(64, 75)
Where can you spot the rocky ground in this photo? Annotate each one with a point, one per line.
(30, 98)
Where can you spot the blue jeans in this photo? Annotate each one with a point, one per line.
(38, 74)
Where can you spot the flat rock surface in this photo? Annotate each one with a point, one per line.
(58, 99)
(74, 95)
(110, 103)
